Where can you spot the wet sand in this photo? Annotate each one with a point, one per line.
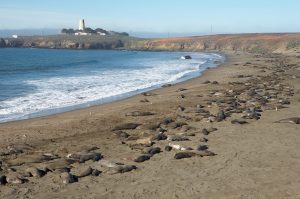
(259, 159)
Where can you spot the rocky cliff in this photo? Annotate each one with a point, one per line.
(68, 42)
(247, 42)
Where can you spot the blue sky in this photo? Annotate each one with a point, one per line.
(178, 16)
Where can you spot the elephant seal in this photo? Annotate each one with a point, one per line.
(142, 158)
(189, 154)
(138, 113)
(292, 120)
(182, 155)
(152, 150)
(85, 172)
(3, 180)
(19, 148)
(68, 178)
(236, 121)
(85, 156)
(126, 126)
(15, 178)
(35, 172)
(177, 138)
(120, 169)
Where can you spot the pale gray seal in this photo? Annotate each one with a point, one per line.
(126, 126)
(292, 120)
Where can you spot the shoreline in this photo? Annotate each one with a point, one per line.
(90, 104)
(259, 158)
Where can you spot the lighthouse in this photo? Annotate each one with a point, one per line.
(81, 24)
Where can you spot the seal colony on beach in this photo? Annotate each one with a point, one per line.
(193, 131)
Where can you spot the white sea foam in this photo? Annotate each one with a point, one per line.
(59, 92)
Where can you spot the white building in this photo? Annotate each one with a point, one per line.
(81, 24)
(14, 36)
(101, 33)
(82, 33)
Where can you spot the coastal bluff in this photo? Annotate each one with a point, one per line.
(256, 43)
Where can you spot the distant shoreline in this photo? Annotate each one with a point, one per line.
(255, 43)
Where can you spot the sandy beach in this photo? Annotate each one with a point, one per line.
(224, 122)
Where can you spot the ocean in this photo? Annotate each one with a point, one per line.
(39, 82)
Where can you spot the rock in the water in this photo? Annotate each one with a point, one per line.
(126, 126)
(139, 113)
(68, 178)
(182, 155)
(2, 43)
(186, 57)
(142, 158)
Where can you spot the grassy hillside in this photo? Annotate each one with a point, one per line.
(246, 42)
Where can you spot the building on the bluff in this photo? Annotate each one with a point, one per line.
(81, 25)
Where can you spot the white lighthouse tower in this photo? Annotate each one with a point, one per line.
(81, 25)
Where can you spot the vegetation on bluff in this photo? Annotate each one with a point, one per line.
(88, 30)
(256, 43)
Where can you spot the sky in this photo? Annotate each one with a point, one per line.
(155, 16)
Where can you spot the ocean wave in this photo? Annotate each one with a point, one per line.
(58, 92)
